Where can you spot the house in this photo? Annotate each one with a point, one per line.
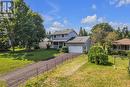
(44, 43)
(123, 44)
(79, 44)
(59, 39)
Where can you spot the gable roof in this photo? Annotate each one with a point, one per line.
(124, 41)
(65, 31)
(82, 39)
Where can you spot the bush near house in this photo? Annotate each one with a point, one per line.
(64, 49)
(120, 52)
(97, 55)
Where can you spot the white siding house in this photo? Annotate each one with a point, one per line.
(79, 44)
(59, 38)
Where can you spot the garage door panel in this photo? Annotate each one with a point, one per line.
(75, 49)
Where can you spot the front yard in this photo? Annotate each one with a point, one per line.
(79, 73)
(11, 61)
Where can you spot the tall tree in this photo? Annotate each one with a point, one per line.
(85, 32)
(125, 32)
(81, 32)
(100, 32)
(119, 32)
(7, 25)
(3, 37)
(25, 28)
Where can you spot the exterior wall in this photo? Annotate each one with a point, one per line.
(59, 45)
(43, 44)
(86, 45)
(66, 36)
(59, 37)
(121, 47)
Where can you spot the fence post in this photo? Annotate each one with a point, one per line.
(55, 63)
(47, 67)
(62, 59)
(37, 74)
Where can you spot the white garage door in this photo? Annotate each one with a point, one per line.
(75, 49)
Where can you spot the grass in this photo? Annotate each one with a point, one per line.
(79, 73)
(11, 61)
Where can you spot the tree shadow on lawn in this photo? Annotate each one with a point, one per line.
(36, 55)
(109, 64)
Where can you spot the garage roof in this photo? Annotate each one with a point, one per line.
(82, 39)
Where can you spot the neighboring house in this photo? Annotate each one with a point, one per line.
(79, 44)
(44, 43)
(58, 39)
(123, 44)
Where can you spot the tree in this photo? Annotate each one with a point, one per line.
(29, 29)
(97, 55)
(112, 36)
(3, 37)
(119, 32)
(125, 32)
(85, 32)
(81, 32)
(100, 32)
(7, 26)
(49, 32)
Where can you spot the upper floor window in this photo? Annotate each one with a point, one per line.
(62, 35)
(54, 36)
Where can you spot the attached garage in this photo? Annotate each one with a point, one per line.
(79, 49)
(79, 44)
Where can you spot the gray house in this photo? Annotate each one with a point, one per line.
(79, 44)
(60, 38)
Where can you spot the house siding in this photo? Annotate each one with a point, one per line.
(60, 37)
(86, 45)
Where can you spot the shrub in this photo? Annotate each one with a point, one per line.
(121, 53)
(48, 46)
(36, 46)
(97, 55)
(64, 49)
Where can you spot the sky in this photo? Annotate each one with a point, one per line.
(73, 14)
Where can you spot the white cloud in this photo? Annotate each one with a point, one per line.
(101, 19)
(48, 18)
(94, 7)
(119, 3)
(56, 26)
(118, 24)
(89, 19)
(65, 21)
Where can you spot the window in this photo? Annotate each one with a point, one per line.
(55, 43)
(54, 36)
(62, 35)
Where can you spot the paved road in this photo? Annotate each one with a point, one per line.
(19, 76)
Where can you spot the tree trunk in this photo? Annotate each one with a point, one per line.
(12, 42)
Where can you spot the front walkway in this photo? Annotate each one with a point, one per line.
(17, 77)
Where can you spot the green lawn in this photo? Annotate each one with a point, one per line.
(79, 73)
(11, 61)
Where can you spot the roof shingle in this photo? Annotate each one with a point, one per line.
(124, 41)
(65, 31)
(82, 39)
